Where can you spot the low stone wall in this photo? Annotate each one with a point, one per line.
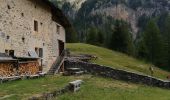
(109, 72)
(51, 95)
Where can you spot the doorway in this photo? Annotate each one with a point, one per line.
(61, 46)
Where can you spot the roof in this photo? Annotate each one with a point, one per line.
(4, 57)
(57, 14)
(28, 57)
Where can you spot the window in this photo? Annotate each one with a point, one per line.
(23, 39)
(58, 29)
(35, 25)
(22, 14)
(8, 6)
(39, 52)
(10, 52)
(7, 52)
(7, 38)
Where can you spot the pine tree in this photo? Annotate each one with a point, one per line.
(166, 35)
(100, 37)
(92, 36)
(121, 39)
(141, 49)
(71, 35)
(153, 42)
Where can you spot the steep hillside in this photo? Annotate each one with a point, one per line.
(100, 13)
(116, 59)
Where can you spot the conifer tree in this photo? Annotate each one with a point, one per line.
(166, 35)
(153, 43)
(71, 36)
(92, 36)
(121, 39)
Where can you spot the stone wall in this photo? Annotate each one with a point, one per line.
(51, 95)
(109, 72)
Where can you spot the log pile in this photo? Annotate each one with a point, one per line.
(28, 68)
(7, 69)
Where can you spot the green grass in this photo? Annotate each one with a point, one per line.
(93, 88)
(116, 60)
(96, 88)
(18, 90)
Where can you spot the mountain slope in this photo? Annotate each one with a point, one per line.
(82, 13)
(116, 60)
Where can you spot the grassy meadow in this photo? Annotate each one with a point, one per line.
(93, 88)
(97, 88)
(116, 59)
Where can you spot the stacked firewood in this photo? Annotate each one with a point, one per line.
(7, 70)
(29, 68)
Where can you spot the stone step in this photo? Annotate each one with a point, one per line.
(79, 73)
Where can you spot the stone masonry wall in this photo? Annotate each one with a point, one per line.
(17, 22)
(109, 72)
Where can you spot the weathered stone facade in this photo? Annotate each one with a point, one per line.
(17, 29)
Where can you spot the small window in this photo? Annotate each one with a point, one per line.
(22, 14)
(8, 6)
(7, 37)
(58, 29)
(7, 52)
(23, 39)
(11, 53)
(39, 52)
(35, 25)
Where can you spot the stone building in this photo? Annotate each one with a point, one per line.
(32, 34)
